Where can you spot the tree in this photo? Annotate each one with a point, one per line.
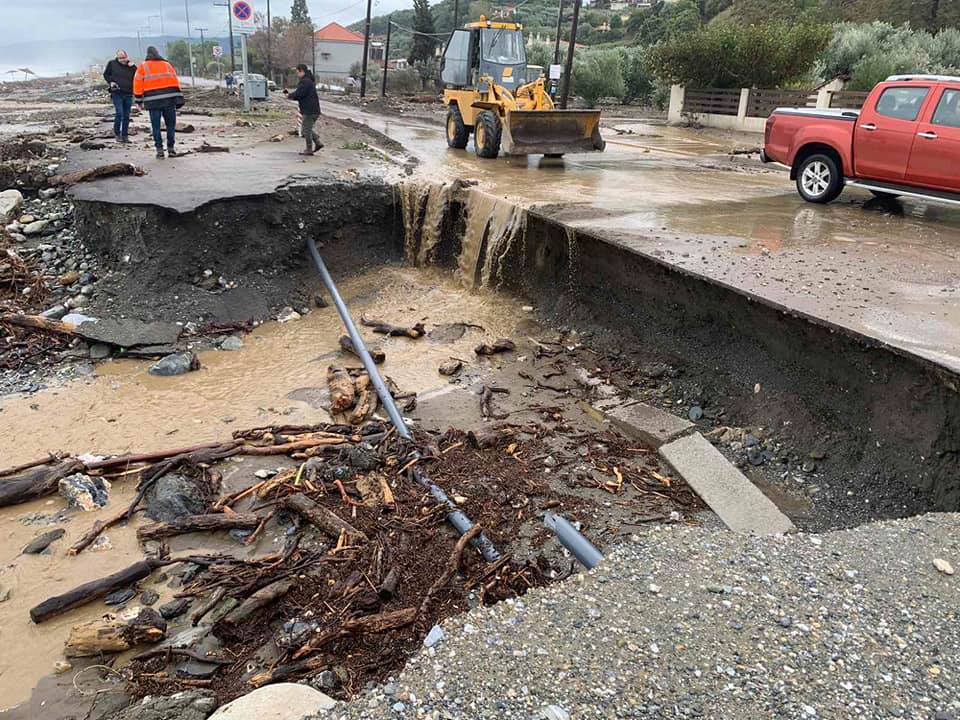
(421, 50)
(299, 14)
(598, 74)
(179, 56)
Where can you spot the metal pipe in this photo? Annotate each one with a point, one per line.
(571, 538)
(455, 517)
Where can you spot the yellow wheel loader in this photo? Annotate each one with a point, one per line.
(487, 93)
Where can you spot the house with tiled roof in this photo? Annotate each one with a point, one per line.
(337, 49)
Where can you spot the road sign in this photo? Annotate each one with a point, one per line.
(217, 51)
(243, 15)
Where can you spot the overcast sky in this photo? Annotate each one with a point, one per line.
(70, 19)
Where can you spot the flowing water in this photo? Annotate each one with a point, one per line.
(278, 376)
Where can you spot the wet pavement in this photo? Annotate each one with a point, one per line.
(887, 271)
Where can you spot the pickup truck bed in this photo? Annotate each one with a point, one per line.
(904, 141)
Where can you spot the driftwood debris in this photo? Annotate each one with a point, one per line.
(450, 367)
(208, 148)
(115, 633)
(486, 402)
(198, 523)
(385, 328)
(483, 439)
(90, 174)
(321, 518)
(453, 565)
(367, 400)
(342, 391)
(290, 670)
(36, 483)
(94, 532)
(94, 589)
(346, 344)
(260, 599)
(498, 346)
(381, 622)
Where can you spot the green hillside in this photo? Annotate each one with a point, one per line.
(924, 14)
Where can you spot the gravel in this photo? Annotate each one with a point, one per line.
(852, 623)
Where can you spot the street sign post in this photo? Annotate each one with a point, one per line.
(242, 12)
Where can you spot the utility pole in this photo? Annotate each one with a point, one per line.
(456, 13)
(226, 4)
(201, 30)
(269, 45)
(139, 46)
(163, 35)
(366, 51)
(568, 70)
(556, 47)
(186, 9)
(386, 57)
(313, 47)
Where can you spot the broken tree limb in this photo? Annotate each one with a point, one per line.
(291, 670)
(453, 565)
(115, 633)
(95, 589)
(367, 401)
(320, 517)
(121, 460)
(198, 523)
(260, 599)
(36, 483)
(209, 605)
(342, 391)
(346, 344)
(292, 446)
(94, 532)
(385, 328)
(90, 174)
(38, 322)
(29, 465)
(381, 622)
(498, 346)
(208, 148)
(483, 439)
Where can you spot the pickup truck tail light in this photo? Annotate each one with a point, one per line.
(768, 129)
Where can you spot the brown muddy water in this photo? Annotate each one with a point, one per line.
(278, 376)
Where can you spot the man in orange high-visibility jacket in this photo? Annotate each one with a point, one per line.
(156, 87)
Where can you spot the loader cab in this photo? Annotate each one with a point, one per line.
(485, 48)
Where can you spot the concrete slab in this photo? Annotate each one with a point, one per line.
(741, 506)
(650, 424)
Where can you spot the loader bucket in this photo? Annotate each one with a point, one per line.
(551, 132)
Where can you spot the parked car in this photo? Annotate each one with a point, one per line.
(271, 85)
(904, 141)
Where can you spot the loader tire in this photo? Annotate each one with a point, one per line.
(458, 134)
(486, 135)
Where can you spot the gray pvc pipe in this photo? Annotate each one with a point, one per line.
(455, 517)
(571, 538)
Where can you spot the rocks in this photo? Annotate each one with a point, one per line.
(119, 597)
(294, 633)
(231, 342)
(282, 701)
(178, 363)
(361, 458)
(85, 492)
(186, 705)
(10, 203)
(943, 566)
(173, 496)
(62, 666)
(35, 228)
(69, 278)
(99, 351)
(149, 597)
(450, 367)
(174, 608)
(288, 314)
(42, 542)
(434, 637)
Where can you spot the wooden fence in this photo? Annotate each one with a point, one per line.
(713, 101)
(762, 103)
(848, 99)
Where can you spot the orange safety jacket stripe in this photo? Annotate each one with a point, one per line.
(154, 75)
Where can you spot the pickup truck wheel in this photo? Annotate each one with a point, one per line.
(819, 179)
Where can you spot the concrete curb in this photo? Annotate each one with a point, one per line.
(736, 501)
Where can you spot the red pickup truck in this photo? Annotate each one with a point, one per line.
(904, 141)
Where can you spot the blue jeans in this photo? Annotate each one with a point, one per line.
(121, 118)
(169, 115)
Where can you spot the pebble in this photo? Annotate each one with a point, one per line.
(231, 342)
(149, 597)
(943, 566)
(62, 666)
(433, 637)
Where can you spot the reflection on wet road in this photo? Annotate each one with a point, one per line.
(884, 269)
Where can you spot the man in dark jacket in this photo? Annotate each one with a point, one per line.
(119, 76)
(306, 96)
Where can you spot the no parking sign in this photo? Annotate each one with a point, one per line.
(243, 16)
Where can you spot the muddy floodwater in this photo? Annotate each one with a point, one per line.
(278, 376)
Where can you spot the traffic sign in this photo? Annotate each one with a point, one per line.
(243, 11)
(217, 51)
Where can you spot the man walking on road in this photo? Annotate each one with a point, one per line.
(306, 95)
(119, 76)
(156, 87)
